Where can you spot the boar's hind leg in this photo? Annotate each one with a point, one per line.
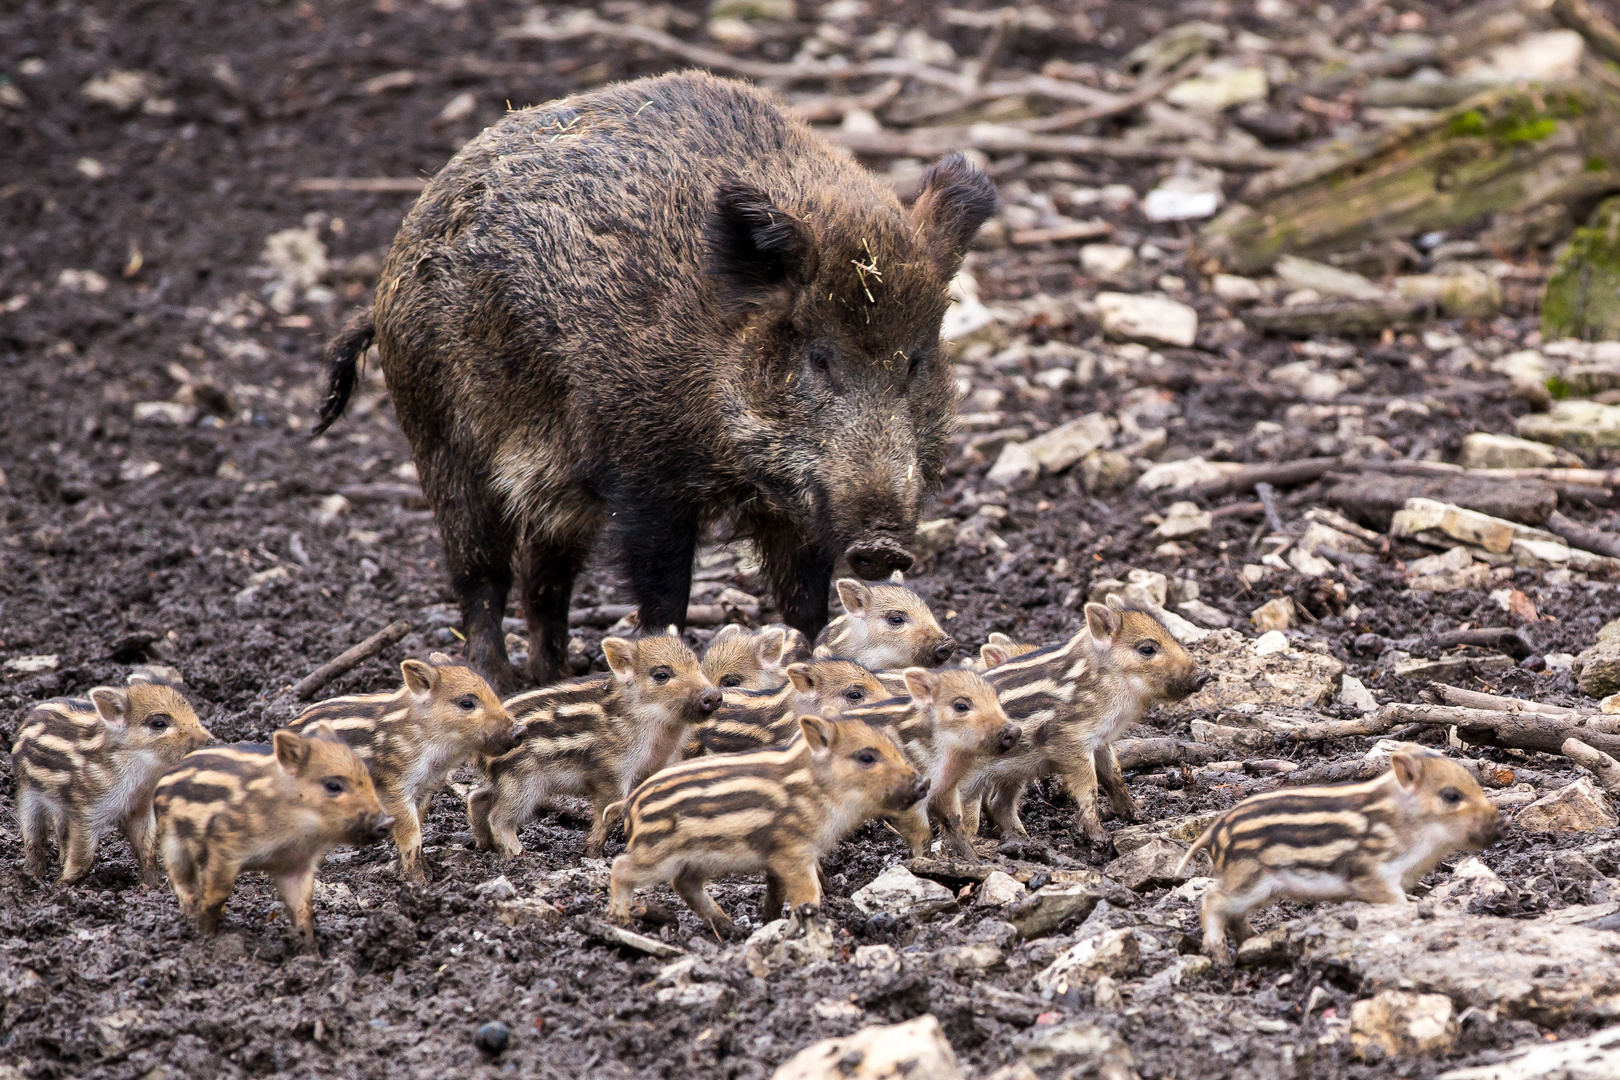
(689, 886)
(1112, 780)
(658, 551)
(34, 814)
(800, 577)
(548, 585)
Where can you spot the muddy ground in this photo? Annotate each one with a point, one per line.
(210, 545)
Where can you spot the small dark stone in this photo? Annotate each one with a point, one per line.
(1370, 644)
(1350, 922)
(880, 924)
(1038, 880)
(492, 1038)
(851, 1061)
(1533, 663)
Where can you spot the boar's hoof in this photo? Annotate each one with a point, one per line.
(877, 559)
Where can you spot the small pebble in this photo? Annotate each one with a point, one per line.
(1370, 644)
(492, 1038)
(880, 924)
(1533, 663)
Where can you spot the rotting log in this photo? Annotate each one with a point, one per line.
(1501, 638)
(1341, 318)
(1520, 730)
(1440, 693)
(1509, 151)
(1155, 753)
(1601, 765)
(1373, 498)
(1584, 536)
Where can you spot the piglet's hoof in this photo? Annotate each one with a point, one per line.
(806, 912)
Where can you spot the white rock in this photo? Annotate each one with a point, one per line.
(164, 413)
(999, 888)
(915, 1050)
(1483, 450)
(459, 107)
(1184, 519)
(1555, 54)
(81, 281)
(1318, 536)
(1106, 260)
(27, 665)
(296, 261)
(789, 942)
(1237, 290)
(1310, 381)
(1471, 880)
(1591, 1058)
(1181, 475)
(1577, 807)
(1067, 443)
(1275, 614)
(1112, 952)
(1203, 614)
(495, 889)
(330, 509)
(1152, 320)
(1309, 564)
(1298, 273)
(900, 892)
(1270, 643)
(1354, 693)
(1448, 572)
(1574, 424)
(121, 89)
(876, 958)
(1181, 198)
(1403, 1024)
(1015, 467)
(133, 469)
(1219, 87)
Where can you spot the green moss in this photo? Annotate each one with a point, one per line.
(1596, 164)
(1558, 388)
(1468, 123)
(1583, 295)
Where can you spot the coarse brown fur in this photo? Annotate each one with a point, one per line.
(278, 808)
(1369, 841)
(949, 727)
(885, 626)
(737, 658)
(750, 720)
(664, 306)
(1073, 701)
(598, 736)
(411, 740)
(778, 810)
(84, 765)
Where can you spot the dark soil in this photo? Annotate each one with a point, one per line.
(106, 562)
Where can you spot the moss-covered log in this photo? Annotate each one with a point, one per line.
(1583, 295)
(1508, 152)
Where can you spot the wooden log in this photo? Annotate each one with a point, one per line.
(1508, 151)
(1373, 499)
(1501, 638)
(1601, 765)
(1521, 730)
(1444, 694)
(1599, 32)
(1003, 139)
(306, 687)
(1334, 772)
(370, 185)
(1278, 474)
(1156, 753)
(1584, 536)
(1342, 318)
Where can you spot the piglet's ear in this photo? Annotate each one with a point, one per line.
(853, 595)
(992, 654)
(819, 733)
(621, 657)
(771, 645)
(756, 252)
(801, 678)
(112, 704)
(1408, 769)
(292, 751)
(1103, 622)
(956, 199)
(419, 676)
(921, 684)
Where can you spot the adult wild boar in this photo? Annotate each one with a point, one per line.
(661, 307)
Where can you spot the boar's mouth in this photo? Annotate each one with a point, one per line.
(1186, 687)
(876, 559)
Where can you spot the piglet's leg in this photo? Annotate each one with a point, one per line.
(1112, 779)
(970, 814)
(141, 830)
(408, 835)
(1213, 918)
(297, 890)
(601, 799)
(1373, 889)
(479, 802)
(79, 854)
(771, 909)
(1081, 781)
(689, 886)
(34, 815)
(912, 825)
(800, 883)
(622, 888)
(949, 812)
(214, 885)
(1004, 800)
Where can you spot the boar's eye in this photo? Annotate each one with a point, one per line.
(731, 680)
(855, 694)
(1451, 796)
(335, 785)
(961, 706)
(662, 675)
(159, 722)
(896, 618)
(867, 757)
(468, 703)
(1147, 649)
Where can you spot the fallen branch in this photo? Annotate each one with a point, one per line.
(1334, 772)
(1143, 94)
(1345, 318)
(1079, 230)
(1583, 536)
(1003, 139)
(1445, 694)
(373, 185)
(1376, 497)
(609, 934)
(1521, 730)
(1601, 765)
(1501, 638)
(1599, 32)
(1156, 753)
(306, 687)
(1268, 503)
(1279, 474)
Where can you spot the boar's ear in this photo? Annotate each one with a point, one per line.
(998, 638)
(419, 676)
(1103, 622)
(112, 704)
(292, 751)
(921, 684)
(992, 654)
(818, 732)
(1408, 769)
(621, 657)
(956, 199)
(730, 630)
(853, 595)
(801, 677)
(756, 251)
(771, 645)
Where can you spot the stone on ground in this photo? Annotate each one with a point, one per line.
(1600, 667)
(900, 892)
(1147, 865)
(1483, 450)
(1152, 320)
(1402, 1024)
(915, 1050)
(1112, 952)
(1290, 678)
(1577, 807)
(1596, 1057)
(1577, 425)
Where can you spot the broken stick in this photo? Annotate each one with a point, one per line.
(1583, 536)
(1521, 730)
(306, 687)
(1601, 765)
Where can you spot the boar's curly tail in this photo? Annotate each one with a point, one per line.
(1192, 852)
(342, 355)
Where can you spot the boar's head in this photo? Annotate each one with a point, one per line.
(843, 403)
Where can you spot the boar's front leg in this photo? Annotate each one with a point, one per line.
(800, 576)
(1112, 781)
(483, 605)
(659, 546)
(548, 585)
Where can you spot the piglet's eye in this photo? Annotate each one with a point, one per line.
(335, 785)
(1147, 648)
(1450, 796)
(854, 695)
(731, 680)
(867, 757)
(896, 619)
(961, 706)
(469, 703)
(158, 723)
(662, 675)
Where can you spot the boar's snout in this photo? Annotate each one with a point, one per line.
(945, 650)
(1010, 736)
(708, 701)
(915, 794)
(875, 560)
(1200, 679)
(380, 829)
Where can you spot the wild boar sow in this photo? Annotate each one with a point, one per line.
(655, 308)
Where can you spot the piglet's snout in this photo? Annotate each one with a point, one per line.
(1010, 736)
(708, 701)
